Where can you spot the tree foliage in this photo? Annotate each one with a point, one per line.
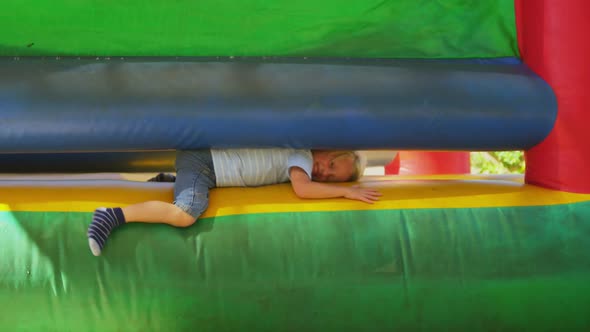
(501, 162)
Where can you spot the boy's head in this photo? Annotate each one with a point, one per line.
(337, 166)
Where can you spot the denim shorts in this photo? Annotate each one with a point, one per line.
(195, 175)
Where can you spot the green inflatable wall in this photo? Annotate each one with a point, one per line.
(354, 28)
(488, 269)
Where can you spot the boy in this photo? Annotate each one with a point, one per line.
(197, 171)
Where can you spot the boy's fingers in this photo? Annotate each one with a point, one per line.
(371, 198)
(375, 191)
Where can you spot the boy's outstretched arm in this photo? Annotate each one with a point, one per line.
(304, 187)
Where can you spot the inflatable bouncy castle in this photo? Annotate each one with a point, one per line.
(89, 88)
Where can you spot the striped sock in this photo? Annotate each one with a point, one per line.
(104, 221)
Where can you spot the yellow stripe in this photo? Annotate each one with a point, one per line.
(398, 193)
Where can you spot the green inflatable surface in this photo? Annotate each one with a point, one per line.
(488, 269)
(355, 28)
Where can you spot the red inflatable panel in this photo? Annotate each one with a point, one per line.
(393, 167)
(553, 40)
(429, 163)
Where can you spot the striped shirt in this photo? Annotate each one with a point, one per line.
(257, 167)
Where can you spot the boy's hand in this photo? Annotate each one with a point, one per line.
(366, 195)
(304, 187)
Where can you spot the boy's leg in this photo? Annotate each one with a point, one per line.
(158, 212)
(195, 176)
(105, 220)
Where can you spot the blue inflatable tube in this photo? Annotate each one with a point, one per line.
(90, 105)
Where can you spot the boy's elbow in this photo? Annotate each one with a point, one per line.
(300, 191)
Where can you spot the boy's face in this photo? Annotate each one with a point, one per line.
(332, 166)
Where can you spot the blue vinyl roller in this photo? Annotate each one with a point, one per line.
(89, 105)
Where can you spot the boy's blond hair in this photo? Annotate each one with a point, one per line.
(359, 162)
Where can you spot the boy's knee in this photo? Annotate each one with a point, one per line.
(184, 219)
(190, 210)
